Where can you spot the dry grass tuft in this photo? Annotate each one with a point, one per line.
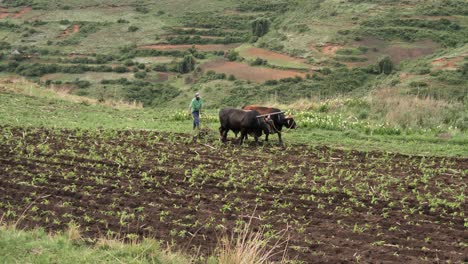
(73, 232)
(251, 247)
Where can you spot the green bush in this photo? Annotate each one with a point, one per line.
(140, 75)
(186, 65)
(133, 28)
(232, 55)
(260, 26)
(121, 69)
(258, 61)
(385, 65)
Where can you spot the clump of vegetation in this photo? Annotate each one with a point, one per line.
(133, 28)
(232, 55)
(385, 65)
(260, 26)
(187, 64)
(259, 61)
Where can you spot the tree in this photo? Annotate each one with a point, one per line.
(187, 64)
(232, 55)
(385, 65)
(260, 26)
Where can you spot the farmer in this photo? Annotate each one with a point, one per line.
(195, 108)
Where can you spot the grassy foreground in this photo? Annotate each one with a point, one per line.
(36, 246)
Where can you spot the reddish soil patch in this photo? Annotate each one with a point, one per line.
(330, 49)
(4, 15)
(405, 75)
(447, 63)
(270, 55)
(22, 12)
(210, 47)
(336, 206)
(76, 28)
(247, 72)
(70, 30)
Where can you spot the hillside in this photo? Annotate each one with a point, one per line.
(99, 162)
(134, 50)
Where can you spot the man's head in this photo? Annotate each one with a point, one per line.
(197, 95)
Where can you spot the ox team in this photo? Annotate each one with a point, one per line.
(254, 120)
(250, 120)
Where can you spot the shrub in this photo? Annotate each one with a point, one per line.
(120, 69)
(133, 28)
(271, 82)
(258, 61)
(232, 55)
(186, 65)
(142, 9)
(260, 26)
(385, 65)
(418, 84)
(140, 75)
(4, 45)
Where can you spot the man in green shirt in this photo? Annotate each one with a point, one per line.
(195, 108)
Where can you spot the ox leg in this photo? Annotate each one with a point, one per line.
(225, 135)
(243, 135)
(279, 137)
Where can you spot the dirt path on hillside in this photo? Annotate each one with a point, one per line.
(22, 12)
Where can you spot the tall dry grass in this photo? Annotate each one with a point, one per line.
(409, 110)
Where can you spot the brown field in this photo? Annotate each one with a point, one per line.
(246, 72)
(269, 55)
(208, 47)
(378, 48)
(335, 206)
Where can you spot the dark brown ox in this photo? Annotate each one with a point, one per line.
(246, 122)
(279, 120)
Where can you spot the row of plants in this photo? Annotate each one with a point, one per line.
(113, 180)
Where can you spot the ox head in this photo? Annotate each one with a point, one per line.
(289, 122)
(266, 125)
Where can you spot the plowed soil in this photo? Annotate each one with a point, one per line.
(247, 72)
(336, 206)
